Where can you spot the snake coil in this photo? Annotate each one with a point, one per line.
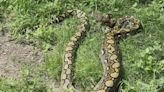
(109, 55)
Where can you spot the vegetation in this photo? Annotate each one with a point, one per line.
(142, 54)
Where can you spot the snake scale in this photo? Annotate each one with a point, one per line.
(109, 56)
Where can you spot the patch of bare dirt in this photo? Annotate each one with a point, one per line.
(13, 56)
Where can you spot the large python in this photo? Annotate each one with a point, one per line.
(109, 57)
(110, 53)
(66, 81)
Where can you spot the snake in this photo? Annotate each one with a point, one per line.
(109, 57)
(109, 51)
(67, 70)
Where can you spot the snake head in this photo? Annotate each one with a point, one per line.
(104, 19)
(127, 25)
(129, 22)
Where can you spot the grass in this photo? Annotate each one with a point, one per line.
(143, 56)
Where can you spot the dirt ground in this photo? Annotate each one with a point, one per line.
(13, 56)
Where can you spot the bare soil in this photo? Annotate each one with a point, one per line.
(14, 55)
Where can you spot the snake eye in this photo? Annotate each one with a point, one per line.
(128, 22)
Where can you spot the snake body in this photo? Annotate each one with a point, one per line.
(66, 81)
(109, 57)
(53, 20)
(110, 53)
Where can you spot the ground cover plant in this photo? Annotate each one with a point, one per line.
(142, 54)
